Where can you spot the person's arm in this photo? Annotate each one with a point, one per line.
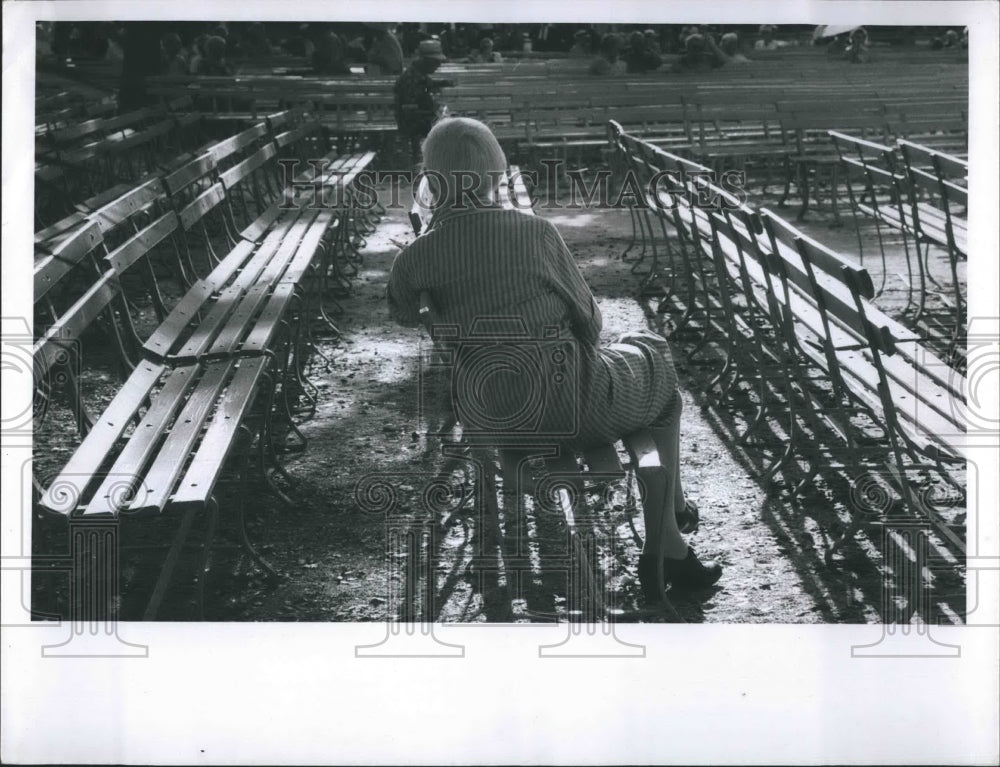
(585, 315)
(718, 57)
(402, 295)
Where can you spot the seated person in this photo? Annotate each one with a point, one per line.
(701, 54)
(485, 54)
(638, 57)
(766, 40)
(729, 44)
(214, 61)
(653, 41)
(581, 45)
(607, 59)
(386, 54)
(481, 261)
(857, 46)
(173, 58)
(329, 56)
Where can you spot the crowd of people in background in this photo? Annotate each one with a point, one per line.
(343, 48)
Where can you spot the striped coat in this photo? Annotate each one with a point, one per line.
(528, 365)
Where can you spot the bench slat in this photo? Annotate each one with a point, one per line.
(206, 465)
(158, 483)
(66, 492)
(126, 474)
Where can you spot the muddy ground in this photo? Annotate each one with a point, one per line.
(370, 535)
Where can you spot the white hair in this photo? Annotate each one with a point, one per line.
(467, 155)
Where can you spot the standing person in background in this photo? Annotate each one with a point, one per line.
(415, 104)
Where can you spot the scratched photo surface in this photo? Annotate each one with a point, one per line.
(377, 359)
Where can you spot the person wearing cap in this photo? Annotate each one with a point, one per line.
(414, 92)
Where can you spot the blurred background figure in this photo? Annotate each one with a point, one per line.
(213, 62)
(701, 54)
(638, 56)
(606, 62)
(175, 60)
(255, 42)
(766, 40)
(581, 45)
(386, 53)
(486, 54)
(653, 42)
(857, 46)
(329, 55)
(729, 44)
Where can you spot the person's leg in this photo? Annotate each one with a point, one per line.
(680, 564)
(666, 433)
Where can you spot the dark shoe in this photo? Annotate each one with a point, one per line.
(690, 573)
(687, 518)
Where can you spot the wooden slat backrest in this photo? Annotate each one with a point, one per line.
(69, 327)
(244, 168)
(235, 144)
(825, 288)
(201, 205)
(947, 166)
(142, 242)
(101, 125)
(115, 213)
(51, 268)
(199, 168)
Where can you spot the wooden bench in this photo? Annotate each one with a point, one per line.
(924, 206)
(800, 317)
(209, 377)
